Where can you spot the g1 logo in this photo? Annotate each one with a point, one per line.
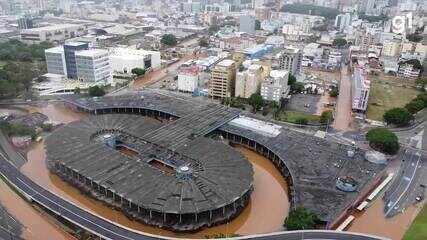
(399, 23)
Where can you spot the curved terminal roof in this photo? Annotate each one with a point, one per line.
(201, 175)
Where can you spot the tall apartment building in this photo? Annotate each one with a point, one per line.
(275, 87)
(249, 81)
(361, 89)
(70, 50)
(391, 48)
(93, 66)
(342, 21)
(55, 60)
(222, 79)
(290, 60)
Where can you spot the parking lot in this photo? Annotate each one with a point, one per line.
(306, 103)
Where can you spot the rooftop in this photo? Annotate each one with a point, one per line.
(91, 52)
(226, 63)
(313, 163)
(51, 28)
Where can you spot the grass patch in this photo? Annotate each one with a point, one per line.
(418, 229)
(292, 117)
(384, 96)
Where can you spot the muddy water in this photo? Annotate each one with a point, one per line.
(36, 226)
(373, 221)
(265, 213)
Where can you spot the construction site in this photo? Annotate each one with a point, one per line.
(190, 129)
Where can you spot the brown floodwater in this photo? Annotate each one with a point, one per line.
(373, 221)
(36, 226)
(265, 212)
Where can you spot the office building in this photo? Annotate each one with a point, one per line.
(70, 50)
(247, 24)
(93, 66)
(222, 79)
(361, 89)
(290, 60)
(55, 60)
(123, 60)
(275, 87)
(25, 23)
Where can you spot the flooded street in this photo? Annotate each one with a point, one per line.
(373, 221)
(36, 226)
(265, 213)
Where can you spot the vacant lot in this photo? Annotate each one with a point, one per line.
(385, 95)
(418, 229)
(292, 117)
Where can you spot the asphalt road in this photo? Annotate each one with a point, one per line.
(6, 235)
(407, 183)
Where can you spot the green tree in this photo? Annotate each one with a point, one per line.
(300, 219)
(256, 101)
(329, 13)
(297, 87)
(203, 42)
(138, 71)
(414, 37)
(383, 140)
(302, 120)
(334, 92)
(421, 82)
(169, 39)
(415, 105)
(291, 80)
(275, 107)
(326, 117)
(96, 91)
(339, 42)
(257, 25)
(17, 129)
(397, 116)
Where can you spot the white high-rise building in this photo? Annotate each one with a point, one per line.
(275, 87)
(342, 21)
(94, 66)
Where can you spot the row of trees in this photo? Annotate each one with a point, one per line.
(15, 50)
(403, 115)
(329, 13)
(16, 79)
